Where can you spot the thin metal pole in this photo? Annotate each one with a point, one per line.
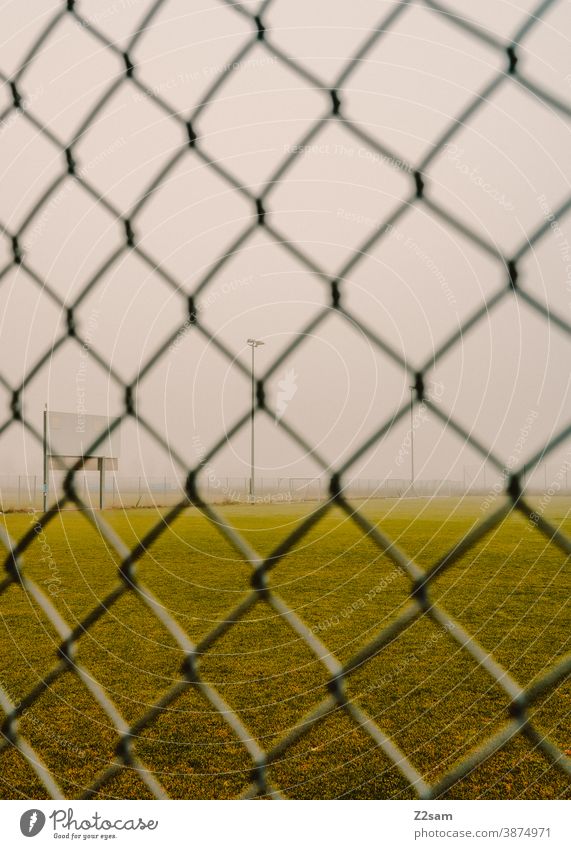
(253, 343)
(252, 413)
(411, 437)
(45, 490)
(101, 482)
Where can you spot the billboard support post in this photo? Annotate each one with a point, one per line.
(101, 481)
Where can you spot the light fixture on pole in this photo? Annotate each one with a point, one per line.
(412, 390)
(45, 464)
(253, 343)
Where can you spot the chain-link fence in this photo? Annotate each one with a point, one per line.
(517, 722)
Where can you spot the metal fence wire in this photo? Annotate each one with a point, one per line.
(521, 699)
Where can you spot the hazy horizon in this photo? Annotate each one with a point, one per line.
(502, 175)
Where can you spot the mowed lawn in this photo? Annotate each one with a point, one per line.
(512, 591)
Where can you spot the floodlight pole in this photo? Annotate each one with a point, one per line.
(45, 487)
(253, 343)
(412, 388)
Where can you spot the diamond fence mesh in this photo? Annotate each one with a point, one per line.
(517, 722)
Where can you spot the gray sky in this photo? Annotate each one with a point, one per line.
(503, 173)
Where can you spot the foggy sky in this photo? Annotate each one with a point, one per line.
(502, 174)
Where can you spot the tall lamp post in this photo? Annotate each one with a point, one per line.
(253, 343)
(45, 467)
(412, 388)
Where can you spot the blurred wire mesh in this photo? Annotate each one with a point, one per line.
(420, 604)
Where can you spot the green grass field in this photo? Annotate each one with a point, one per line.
(512, 590)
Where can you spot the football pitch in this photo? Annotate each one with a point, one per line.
(511, 591)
